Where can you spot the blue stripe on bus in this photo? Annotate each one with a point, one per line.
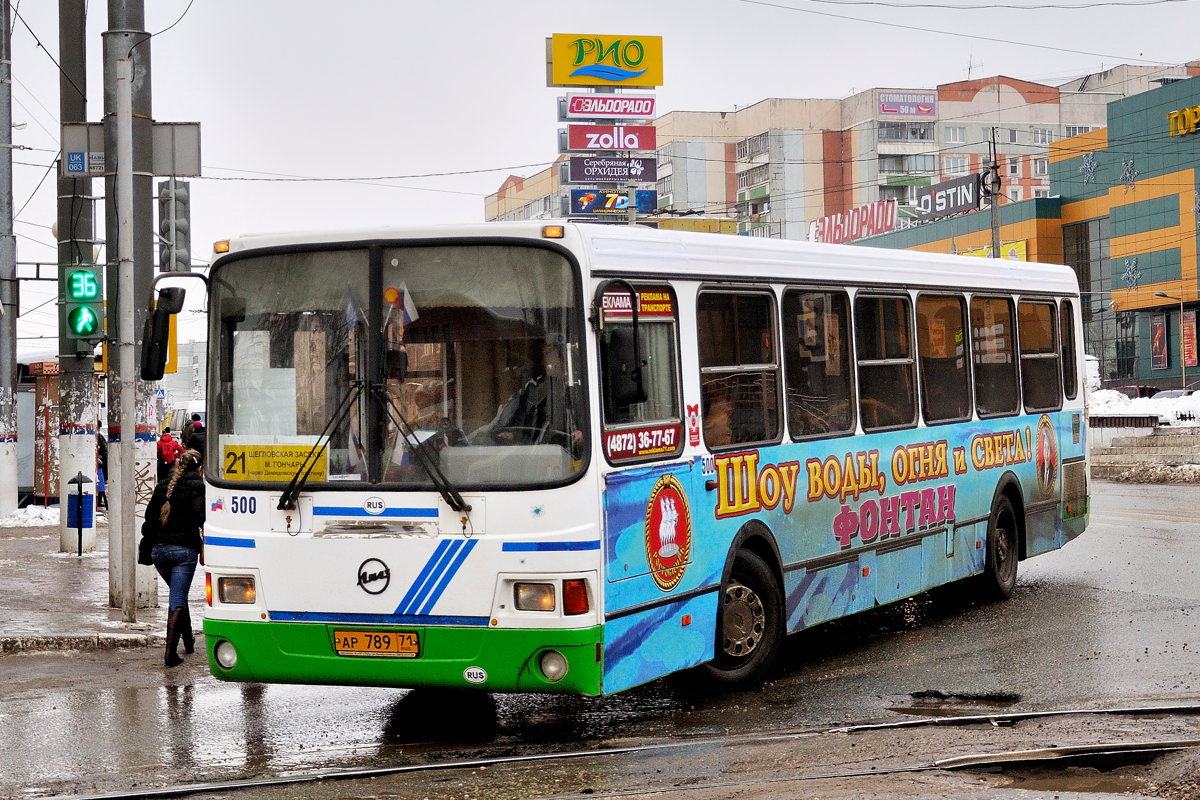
(422, 578)
(526, 547)
(356, 511)
(228, 541)
(375, 619)
(434, 576)
(463, 552)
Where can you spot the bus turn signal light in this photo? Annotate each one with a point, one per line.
(575, 598)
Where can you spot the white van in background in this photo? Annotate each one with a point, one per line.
(180, 416)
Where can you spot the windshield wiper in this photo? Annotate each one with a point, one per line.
(287, 500)
(422, 456)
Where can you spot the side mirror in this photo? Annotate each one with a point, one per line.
(156, 335)
(622, 366)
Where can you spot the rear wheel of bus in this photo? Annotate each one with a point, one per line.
(1000, 571)
(749, 624)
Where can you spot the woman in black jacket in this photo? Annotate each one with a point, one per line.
(174, 519)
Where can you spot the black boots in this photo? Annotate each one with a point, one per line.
(175, 623)
(185, 632)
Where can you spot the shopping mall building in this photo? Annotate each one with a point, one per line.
(1123, 211)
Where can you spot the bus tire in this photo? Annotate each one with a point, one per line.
(749, 624)
(1000, 570)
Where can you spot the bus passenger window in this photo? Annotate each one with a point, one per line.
(941, 345)
(1067, 341)
(994, 356)
(886, 386)
(1041, 376)
(738, 366)
(816, 352)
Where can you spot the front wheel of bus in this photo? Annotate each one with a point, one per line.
(1000, 572)
(749, 624)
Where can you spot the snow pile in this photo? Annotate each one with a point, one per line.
(31, 517)
(1160, 473)
(1170, 410)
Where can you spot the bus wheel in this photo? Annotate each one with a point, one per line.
(1000, 572)
(749, 624)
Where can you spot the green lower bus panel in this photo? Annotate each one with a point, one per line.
(488, 659)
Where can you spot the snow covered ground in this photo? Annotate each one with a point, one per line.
(1171, 410)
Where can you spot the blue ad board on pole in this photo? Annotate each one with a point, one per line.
(597, 201)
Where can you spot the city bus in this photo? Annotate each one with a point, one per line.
(566, 457)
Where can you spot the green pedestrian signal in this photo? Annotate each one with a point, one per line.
(82, 322)
(83, 302)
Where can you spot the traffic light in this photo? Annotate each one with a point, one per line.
(83, 302)
(174, 226)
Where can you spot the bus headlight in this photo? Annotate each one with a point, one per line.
(553, 665)
(236, 590)
(533, 596)
(226, 655)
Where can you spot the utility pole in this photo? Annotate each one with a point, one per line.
(133, 432)
(78, 418)
(9, 303)
(994, 192)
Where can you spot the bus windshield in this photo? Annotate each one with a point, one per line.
(384, 364)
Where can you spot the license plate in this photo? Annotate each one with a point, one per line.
(378, 644)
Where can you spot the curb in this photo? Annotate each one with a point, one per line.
(99, 641)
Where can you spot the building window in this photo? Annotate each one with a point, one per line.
(1012, 136)
(1014, 195)
(754, 146)
(664, 156)
(753, 177)
(1041, 192)
(906, 165)
(1109, 335)
(1014, 165)
(955, 165)
(1043, 136)
(955, 134)
(667, 185)
(890, 131)
(1075, 130)
(1041, 166)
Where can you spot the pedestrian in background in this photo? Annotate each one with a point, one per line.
(198, 438)
(174, 520)
(168, 450)
(101, 472)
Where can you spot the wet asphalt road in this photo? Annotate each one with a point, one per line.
(1109, 621)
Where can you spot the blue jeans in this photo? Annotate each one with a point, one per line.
(176, 564)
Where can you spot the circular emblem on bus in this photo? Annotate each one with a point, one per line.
(374, 576)
(374, 505)
(1046, 456)
(668, 532)
(476, 675)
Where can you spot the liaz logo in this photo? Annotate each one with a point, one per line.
(374, 576)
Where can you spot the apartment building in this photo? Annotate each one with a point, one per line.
(780, 165)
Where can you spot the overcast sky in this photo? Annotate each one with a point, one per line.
(431, 105)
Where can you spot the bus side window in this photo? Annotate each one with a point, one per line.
(993, 352)
(886, 386)
(941, 345)
(738, 366)
(816, 351)
(657, 339)
(1041, 375)
(1066, 339)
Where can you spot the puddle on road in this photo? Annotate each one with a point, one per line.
(1074, 779)
(933, 703)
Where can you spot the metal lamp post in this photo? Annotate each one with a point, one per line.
(1182, 351)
